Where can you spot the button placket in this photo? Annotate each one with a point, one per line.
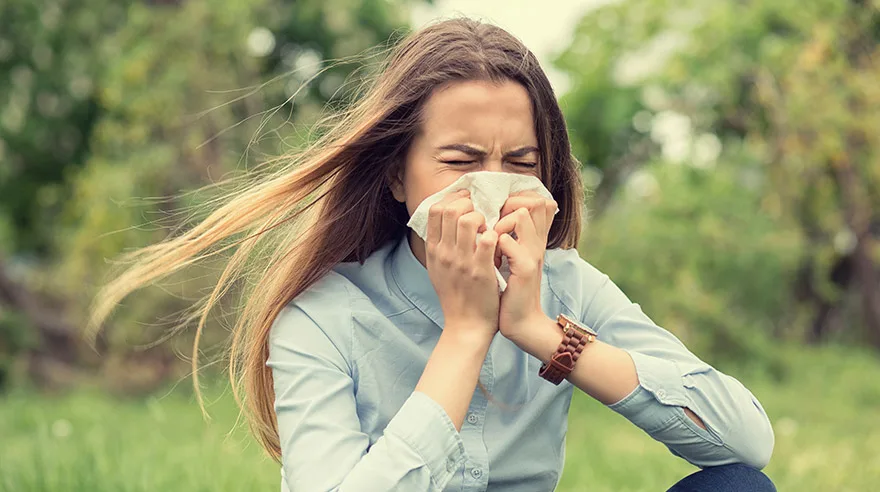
(450, 465)
(476, 469)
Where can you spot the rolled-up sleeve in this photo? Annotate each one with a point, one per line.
(322, 446)
(671, 378)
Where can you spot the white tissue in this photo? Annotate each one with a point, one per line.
(489, 190)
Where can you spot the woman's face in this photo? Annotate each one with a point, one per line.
(468, 126)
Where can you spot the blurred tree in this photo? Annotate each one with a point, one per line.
(117, 108)
(694, 249)
(49, 65)
(48, 71)
(785, 94)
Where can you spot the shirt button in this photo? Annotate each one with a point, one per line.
(476, 473)
(661, 394)
(472, 418)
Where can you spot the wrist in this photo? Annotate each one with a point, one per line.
(540, 337)
(468, 334)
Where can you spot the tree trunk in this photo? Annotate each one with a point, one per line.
(858, 213)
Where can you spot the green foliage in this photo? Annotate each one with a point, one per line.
(118, 67)
(695, 250)
(49, 68)
(778, 94)
(116, 109)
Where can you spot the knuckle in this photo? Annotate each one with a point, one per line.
(442, 256)
(469, 221)
(435, 210)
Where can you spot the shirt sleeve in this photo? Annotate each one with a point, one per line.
(671, 378)
(322, 445)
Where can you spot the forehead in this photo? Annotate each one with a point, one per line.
(480, 111)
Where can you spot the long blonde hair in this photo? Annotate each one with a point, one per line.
(330, 202)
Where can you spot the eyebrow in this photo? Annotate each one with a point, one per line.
(473, 151)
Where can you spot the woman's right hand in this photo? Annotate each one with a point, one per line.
(462, 270)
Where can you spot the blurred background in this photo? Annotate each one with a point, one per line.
(731, 150)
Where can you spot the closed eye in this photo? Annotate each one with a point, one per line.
(524, 164)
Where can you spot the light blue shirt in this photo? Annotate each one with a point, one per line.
(347, 353)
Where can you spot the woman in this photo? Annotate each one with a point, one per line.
(371, 359)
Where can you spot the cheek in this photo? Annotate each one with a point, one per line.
(420, 187)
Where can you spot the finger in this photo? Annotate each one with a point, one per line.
(518, 256)
(542, 215)
(486, 246)
(435, 216)
(519, 222)
(466, 237)
(527, 194)
(534, 203)
(516, 201)
(550, 208)
(539, 218)
(435, 221)
(451, 213)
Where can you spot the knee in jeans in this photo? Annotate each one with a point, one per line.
(726, 478)
(752, 479)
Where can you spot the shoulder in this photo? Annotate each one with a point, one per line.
(371, 282)
(324, 310)
(350, 294)
(571, 279)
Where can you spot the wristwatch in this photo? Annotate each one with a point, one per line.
(574, 337)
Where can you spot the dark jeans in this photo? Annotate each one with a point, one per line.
(725, 478)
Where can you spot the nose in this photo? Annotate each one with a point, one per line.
(493, 164)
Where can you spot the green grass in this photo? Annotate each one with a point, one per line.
(826, 415)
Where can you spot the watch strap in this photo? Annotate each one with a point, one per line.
(567, 353)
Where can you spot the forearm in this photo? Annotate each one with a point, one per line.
(453, 369)
(603, 371)
(646, 374)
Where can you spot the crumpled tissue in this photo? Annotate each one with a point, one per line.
(489, 190)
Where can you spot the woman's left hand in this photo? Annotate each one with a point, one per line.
(529, 215)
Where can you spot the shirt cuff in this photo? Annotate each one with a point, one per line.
(424, 425)
(659, 381)
(661, 377)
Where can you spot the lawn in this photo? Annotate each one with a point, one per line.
(826, 416)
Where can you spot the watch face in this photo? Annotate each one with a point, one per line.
(563, 319)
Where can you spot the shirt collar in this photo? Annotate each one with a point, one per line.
(412, 279)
